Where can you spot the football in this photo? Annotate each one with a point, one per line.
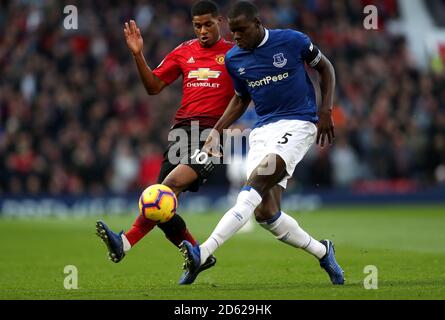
(158, 203)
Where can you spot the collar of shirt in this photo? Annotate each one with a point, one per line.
(266, 37)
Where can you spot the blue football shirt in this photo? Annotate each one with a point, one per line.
(274, 76)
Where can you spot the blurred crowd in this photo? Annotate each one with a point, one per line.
(74, 117)
(437, 9)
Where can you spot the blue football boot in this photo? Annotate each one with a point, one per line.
(192, 262)
(330, 265)
(112, 240)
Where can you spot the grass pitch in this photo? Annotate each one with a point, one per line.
(406, 244)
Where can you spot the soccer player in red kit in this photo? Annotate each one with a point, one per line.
(207, 90)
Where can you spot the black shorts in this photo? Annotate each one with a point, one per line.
(184, 151)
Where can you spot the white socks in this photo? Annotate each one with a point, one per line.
(287, 230)
(282, 226)
(126, 243)
(232, 221)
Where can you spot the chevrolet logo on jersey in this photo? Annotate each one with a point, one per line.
(204, 74)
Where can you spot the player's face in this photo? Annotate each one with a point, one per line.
(245, 32)
(206, 29)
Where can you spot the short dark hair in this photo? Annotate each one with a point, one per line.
(243, 8)
(205, 7)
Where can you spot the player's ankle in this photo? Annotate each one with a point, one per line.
(205, 254)
(126, 243)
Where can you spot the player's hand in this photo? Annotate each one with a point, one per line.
(133, 37)
(212, 144)
(325, 128)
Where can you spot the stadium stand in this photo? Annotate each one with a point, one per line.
(75, 119)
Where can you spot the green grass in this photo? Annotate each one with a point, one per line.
(406, 244)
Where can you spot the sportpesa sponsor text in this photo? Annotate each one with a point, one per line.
(267, 80)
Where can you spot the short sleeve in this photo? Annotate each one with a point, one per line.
(238, 84)
(305, 48)
(169, 69)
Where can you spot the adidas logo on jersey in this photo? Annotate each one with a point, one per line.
(191, 60)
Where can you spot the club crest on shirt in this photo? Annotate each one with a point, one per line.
(220, 59)
(279, 60)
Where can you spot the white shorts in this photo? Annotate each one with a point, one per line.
(290, 139)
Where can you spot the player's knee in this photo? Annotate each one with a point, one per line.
(261, 215)
(258, 184)
(263, 186)
(175, 184)
(262, 180)
(264, 214)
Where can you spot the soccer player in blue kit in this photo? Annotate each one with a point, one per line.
(268, 68)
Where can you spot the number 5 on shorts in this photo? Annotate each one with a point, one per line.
(285, 140)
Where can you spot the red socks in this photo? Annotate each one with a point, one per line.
(180, 236)
(140, 228)
(175, 230)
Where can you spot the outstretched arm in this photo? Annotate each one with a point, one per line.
(153, 85)
(236, 108)
(327, 86)
(234, 111)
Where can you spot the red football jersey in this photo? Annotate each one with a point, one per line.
(207, 87)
